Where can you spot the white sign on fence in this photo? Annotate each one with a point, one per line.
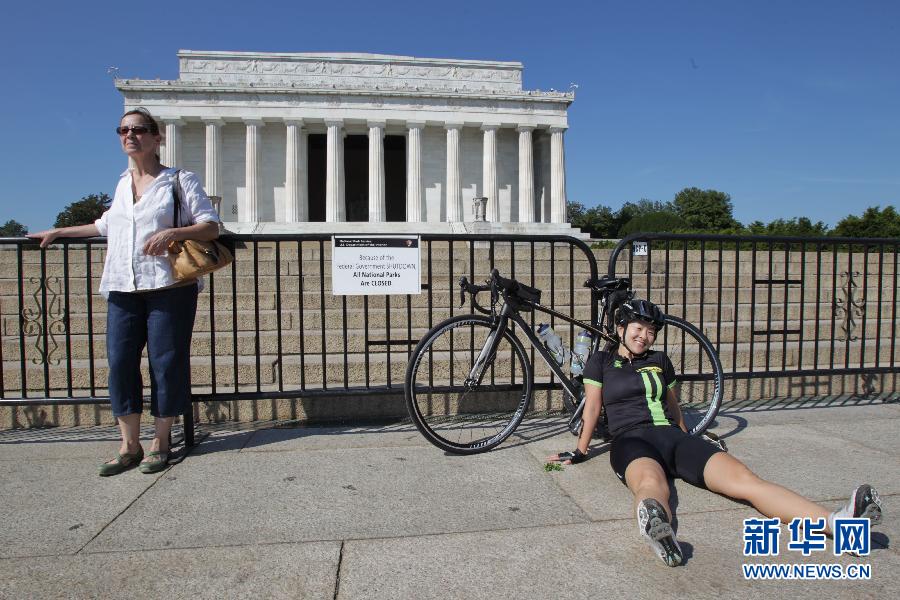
(639, 248)
(375, 264)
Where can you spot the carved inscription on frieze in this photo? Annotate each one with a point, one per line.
(351, 73)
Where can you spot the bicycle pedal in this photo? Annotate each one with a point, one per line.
(715, 440)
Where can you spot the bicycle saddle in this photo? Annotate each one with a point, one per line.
(608, 282)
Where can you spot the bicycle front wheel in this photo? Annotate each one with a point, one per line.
(462, 399)
(698, 371)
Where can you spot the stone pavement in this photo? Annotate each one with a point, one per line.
(376, 512)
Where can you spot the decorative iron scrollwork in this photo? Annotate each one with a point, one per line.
(849, 307)
(33, 320)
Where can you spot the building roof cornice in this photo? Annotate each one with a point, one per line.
(169, 86)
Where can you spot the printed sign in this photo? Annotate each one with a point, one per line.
(375, 264)
(639, 248)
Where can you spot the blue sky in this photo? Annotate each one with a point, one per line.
(793, 108)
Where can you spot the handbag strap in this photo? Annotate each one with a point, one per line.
(177, 195)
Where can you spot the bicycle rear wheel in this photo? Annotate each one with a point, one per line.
(455, 411)
(697, 369)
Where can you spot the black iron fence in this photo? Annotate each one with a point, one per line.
(778, 306)
(269, 328)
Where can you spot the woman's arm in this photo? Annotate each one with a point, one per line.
(593, 403)
(159, 241)
(48, 235)
(675, 409)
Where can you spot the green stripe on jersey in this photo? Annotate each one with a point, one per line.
(654, 403)
(592, 382)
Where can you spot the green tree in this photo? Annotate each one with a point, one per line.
(796, 227)
(874, 222)
(661, 221)
(85, 211)
(705, 210)
(598, 221)
(12, 228)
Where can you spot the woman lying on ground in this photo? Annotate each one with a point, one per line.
(650, 441)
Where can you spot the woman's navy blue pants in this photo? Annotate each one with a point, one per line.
(163, 320)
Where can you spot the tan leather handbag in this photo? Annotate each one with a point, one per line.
(192, 258)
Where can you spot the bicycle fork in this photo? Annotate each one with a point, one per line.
(486, 356)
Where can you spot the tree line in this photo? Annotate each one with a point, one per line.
(710, 211)
(691, 211)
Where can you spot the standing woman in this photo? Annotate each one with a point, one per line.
(146, 304)
(650, 442)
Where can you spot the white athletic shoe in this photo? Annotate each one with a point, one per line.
(653, 523)
(863, 503)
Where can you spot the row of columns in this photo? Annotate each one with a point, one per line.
(296, 176)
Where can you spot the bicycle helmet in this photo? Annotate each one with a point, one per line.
(640, 310)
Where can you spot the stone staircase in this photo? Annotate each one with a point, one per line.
(280, 333)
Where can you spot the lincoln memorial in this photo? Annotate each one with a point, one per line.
(301, 142)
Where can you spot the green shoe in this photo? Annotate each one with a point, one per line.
(160, 461)
(122, 463)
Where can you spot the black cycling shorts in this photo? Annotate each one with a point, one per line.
(679, 454)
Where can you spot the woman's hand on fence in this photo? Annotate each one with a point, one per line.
(46, 237)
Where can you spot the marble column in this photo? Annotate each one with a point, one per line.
(249, 211)
(335, 203)
(296, 188)
(557, 176)
(414, 171)
(526, 175)
(490, 189)
(454, 190)
(213, 178)
(377, 210)
(170, 152)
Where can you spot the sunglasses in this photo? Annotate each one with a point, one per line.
(136, 129)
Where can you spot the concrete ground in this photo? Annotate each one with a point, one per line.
(377, 512)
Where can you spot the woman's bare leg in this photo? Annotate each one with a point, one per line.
(648, 482)
(161, 436)
(725, 474)
(646, 479)
(130, 428)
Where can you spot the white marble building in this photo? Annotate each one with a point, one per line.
(291, 139)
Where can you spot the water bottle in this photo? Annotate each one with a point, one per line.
(580, 351)
(553, 343)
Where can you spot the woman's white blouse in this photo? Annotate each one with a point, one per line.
(128, 225)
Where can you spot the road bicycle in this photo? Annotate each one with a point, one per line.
(469, 382)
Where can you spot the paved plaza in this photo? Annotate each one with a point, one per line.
(376, 512)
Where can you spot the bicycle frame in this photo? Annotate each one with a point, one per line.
(508, 313)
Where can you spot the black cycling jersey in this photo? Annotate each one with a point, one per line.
(634, 391)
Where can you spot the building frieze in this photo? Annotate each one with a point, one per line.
(343, 70)
(405, 90)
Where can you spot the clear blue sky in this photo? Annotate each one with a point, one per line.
(793, 108)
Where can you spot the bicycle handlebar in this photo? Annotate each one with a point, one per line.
(495, 284)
